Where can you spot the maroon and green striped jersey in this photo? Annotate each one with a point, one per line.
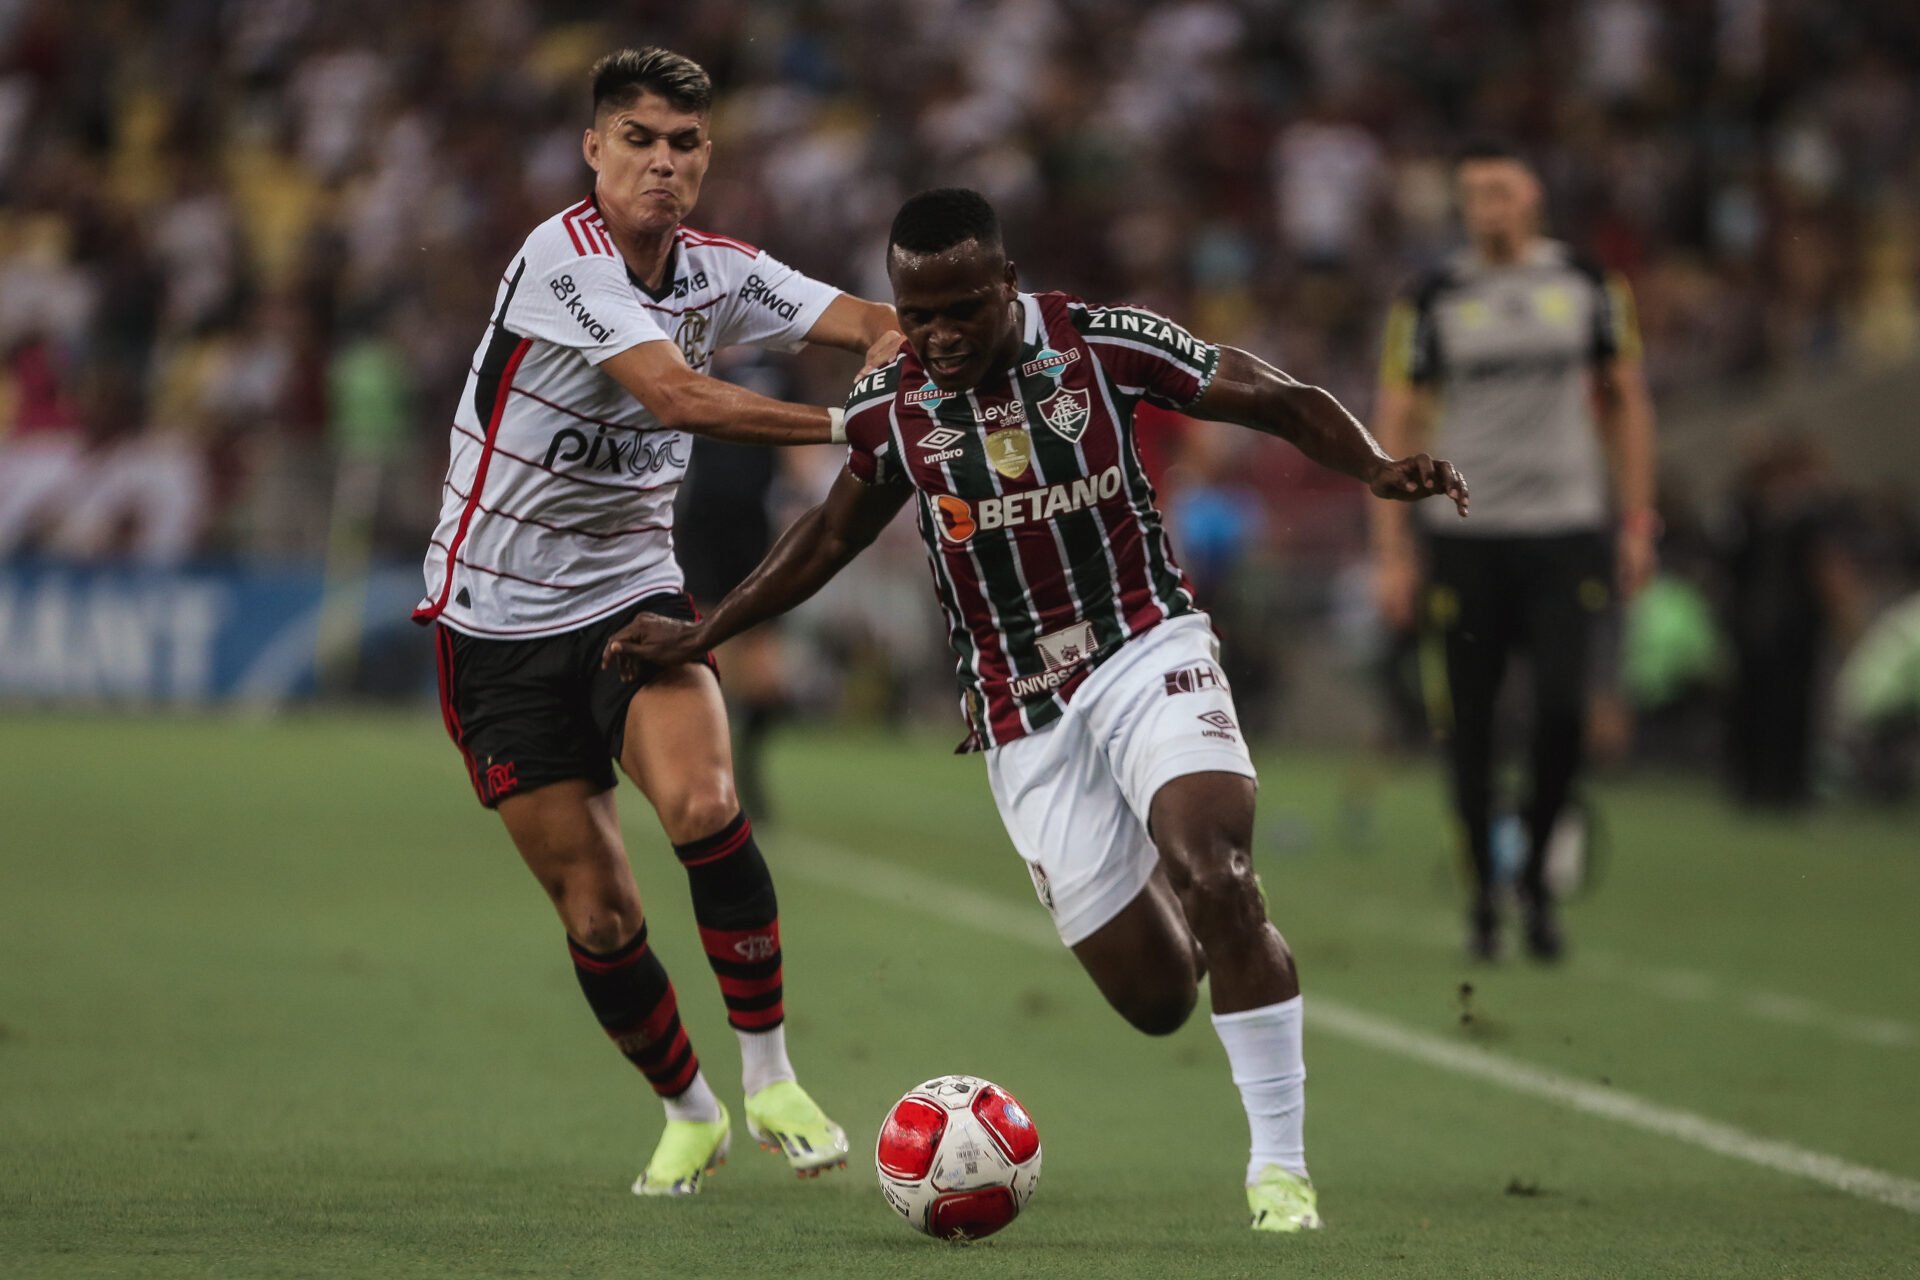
(1047, 550)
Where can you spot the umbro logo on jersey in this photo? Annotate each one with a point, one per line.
(1223, 726)
(616, 454)
(939, 444)
(960, 520)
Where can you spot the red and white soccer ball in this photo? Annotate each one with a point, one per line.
(958, 1157)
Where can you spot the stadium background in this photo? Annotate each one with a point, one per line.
(246, 249)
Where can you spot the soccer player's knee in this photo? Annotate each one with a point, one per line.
(1220, 895)
(1161, 1012)
(600, 931)
(700, 811)
(599, 916)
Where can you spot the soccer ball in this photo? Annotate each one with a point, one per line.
(958, 1157)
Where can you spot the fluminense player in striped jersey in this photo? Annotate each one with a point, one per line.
(556, 529)
(1090, 678)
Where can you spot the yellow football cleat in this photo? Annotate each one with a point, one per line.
(689, 1150)
(781, 1117)
(1282, 1201)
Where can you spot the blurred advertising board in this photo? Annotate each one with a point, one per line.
(123, 635)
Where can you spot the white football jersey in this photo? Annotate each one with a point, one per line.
(558, 503)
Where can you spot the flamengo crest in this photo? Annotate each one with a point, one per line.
(1067, 411)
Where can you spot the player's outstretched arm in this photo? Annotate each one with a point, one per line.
(657, 375)
(854, 324)
(820, 544)
(1248, 391)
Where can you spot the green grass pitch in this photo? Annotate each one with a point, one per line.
(277, 999)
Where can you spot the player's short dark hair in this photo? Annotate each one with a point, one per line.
(1487, 149)
(625, 74)
(942, 218)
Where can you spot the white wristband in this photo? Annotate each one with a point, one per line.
(837, 425)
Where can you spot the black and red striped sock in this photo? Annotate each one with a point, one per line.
(633, 998)
(739, 919)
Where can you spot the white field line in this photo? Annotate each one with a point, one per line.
(1683, 986)
(882, 881)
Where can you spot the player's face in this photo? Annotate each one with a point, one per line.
(650, 158)
(1499, 200)
(957, 311)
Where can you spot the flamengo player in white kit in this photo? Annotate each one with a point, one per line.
(1091, 679)
(556, 529)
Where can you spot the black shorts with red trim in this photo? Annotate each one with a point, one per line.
(528, 713)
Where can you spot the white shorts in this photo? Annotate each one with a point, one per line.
(1075, 796)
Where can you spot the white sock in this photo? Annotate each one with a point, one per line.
(697, 1103)
(1263, 1049)
(763, 1058)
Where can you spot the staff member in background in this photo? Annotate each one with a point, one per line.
(724, 512)
(1525, 362)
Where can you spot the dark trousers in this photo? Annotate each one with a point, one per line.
(1490, 598)
(1771, 716)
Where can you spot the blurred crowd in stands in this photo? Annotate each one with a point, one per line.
(247, 246)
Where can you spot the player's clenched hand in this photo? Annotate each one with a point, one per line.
(653, 639)
(883, 349)
(1418, 476)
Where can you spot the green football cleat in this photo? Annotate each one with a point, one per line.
(1282, 1201)
(781, 1117)
(689, 1150)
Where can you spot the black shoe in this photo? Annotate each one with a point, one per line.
(1545, 941)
